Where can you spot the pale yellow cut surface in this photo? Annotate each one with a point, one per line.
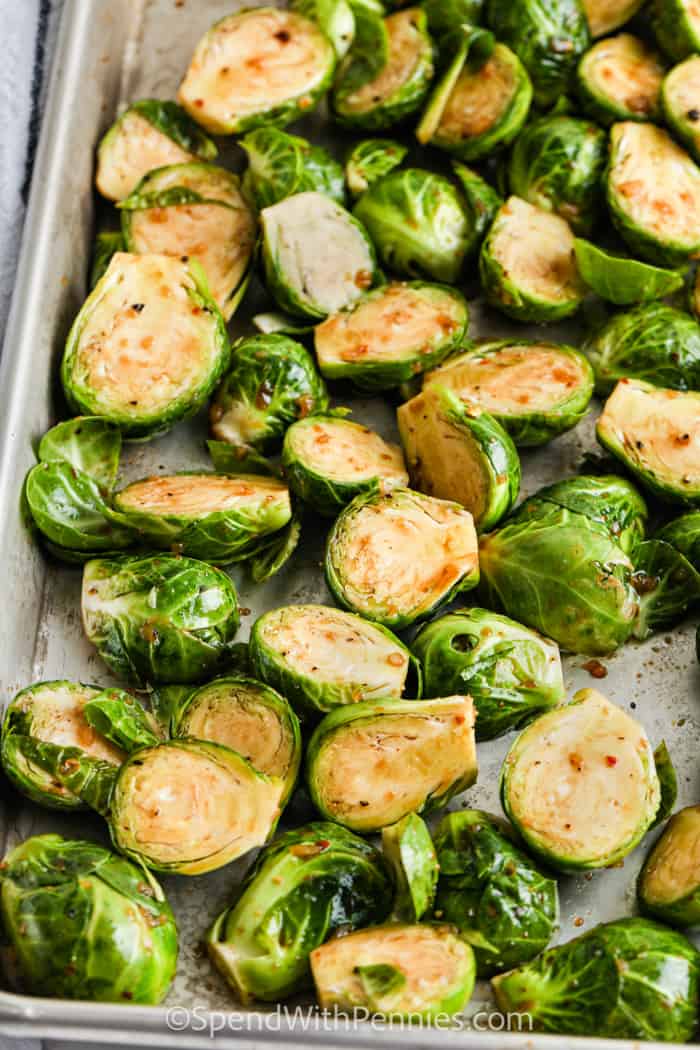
(535, 248)
(343, 451)
(626, 70)
(673, 869)
(480, 98)
(196, 495)
(406, 52)
(133, 149)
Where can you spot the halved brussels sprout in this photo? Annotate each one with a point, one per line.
(83, 923)
(317, 257)
(630, 979)
(474, 111)
(159, 618)
(580, 784)
(415, 972)
(418, 224)
(335, 17)
(603, 16)
(609, 501)
(369, 160)
(622, 280)
(397, 558)
(398, 87)
(263, 65)
(511, 673)
(481, 199)
(370, 764)
(620, 79)
(197, 211)
(535, 390)
(328, 461)
(669, 883)
(409, 851)
(148, 135)
(306, 886)
(653, 193)
(457, 451)
(676, 25)
(557, 164)
(392, 334)
(280, 165)
(667, 584)
(216, 517)
(321, 658)
(656, 434)
(680, 97)
(528, 264)
(147, 347)
(684, 534)
(549, 36)
(493, 893)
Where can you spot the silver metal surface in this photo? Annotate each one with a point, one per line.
(115, 50)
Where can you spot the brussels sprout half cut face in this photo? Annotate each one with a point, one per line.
(656, 434)
(604, 16)
(620, 79)
(680, 98)
(328, 461)
(535, 390)
(528, 264)
(391, 334)
(676, 25)
(580, 784)
(669, 883)
(317, 257)
(653, 192)
(260, 66)
(370, 764)
(398, 557)
(148, 345)
(321, 658)
(414, 972)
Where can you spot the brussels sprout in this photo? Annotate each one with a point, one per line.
(622, 280)
(107, 243)
(409, 851)
(418, 224)
(159, 618)
(603, 16)
(397, 88)
(549, 36)
(620, 79)
(321, 658)
(668, 781)
(655, 433)
(684, 534)
(669, 883)
(328, 461)
(629, 979)
(148, 135)
(392, 334)
(557, 164)
(370, 764)
(414, 972)
(653, 193)
(317, 257)
(259, 66)
(559, 573)
(83, 923)
(89, 443)
(667, 584)
(676, 25)
(457, 451)
(305, 886)
(195, 211)
(570, 766)
(473, 111)
(335, 17)
(481, 200)
(369, 160)
(607, 500)
(280, 165)
(493, 893)
(528, 264)
(446, 17)
(396, 558)
(511, 673)
(679, 99)
(148, 345)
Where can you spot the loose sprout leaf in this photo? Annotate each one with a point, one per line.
(119, 718)
(89, 779)
(622, 280)
(166, 702)
(107, 242)
(233, 459)
(668, 780)
(668, 586)
(684, 534)
(89, 443)
(370, 160)
(278, 323)
(369, 51)
(410, 853)
(481, 199)
(380, 981)
(272, 558)
(172, 121)
(335, 17)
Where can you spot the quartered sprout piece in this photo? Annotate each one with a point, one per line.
(679, 99)
(669, 883)
(369, 160)
(611, 502)
(676, 25)
(623, 280)
(620, 79)
(409, 851)
(603, 16)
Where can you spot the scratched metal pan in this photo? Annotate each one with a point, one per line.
(111, 51)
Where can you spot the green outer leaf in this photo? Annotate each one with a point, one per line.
(369, 160)
(335, 17)
(107, 243)
(280, 164)
(684, 534)
(369, 51)
(89, 443)
(683, 909)
(173, 121)
(668, 586)
(271, 557)
(668, 780)
(446, 17)
(87, 778)
(676, 29)
(232, 459)
(603, 107)
(481, 199)
(409, 851)
(679, 120)
(274, 322)
(119, 718)
(621, 280)
(165, 702)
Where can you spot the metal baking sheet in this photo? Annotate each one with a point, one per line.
(111, 51)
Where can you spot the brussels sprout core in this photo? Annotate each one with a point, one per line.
(620, 79)
(605, 15)
(669, 882)
(679, 98)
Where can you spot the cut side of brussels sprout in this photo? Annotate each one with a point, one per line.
(604, 16)
(680, 99)
(189, 806)
(621, 280)
(669, 883)
(409, 851)
(580, 784)
(317, 258)
(528, 264)
(260, 66)
(148, 345)
(328, 461)
(391, 334)
(676, 25)
(320, 658)
(397, 970)
(535, 390)
(370, 160)
(610, 501)
(620, 79)
(457, 451)
(653, 192)
(656, 434)
(370, 764)
(397, 558)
